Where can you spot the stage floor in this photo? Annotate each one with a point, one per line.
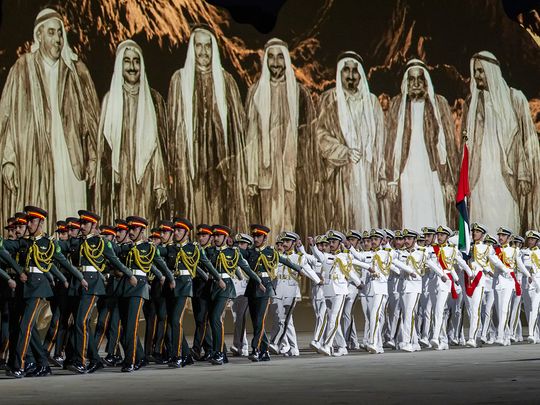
(460, 375)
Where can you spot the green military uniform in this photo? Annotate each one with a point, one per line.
(226, 260)
(202, 338)
(142, 258)
(92, 254)
(36, 255)
(58, 304)
(155, 309)
(107, 315)
(183, 258)
(264, 261)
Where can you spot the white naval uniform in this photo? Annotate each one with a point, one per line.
(287, 295)
(364, 291)
(384, 261)
(239, 310)
(318, 301)
(450, 256)
(531, 260)
(515, 326)
(411, 290)
(488, 312)
(505, 286)
(483, 259)
(348, 325)
(337, 269)
(393, 307)
(426, 304)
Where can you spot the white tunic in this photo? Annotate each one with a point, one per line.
(422, 200)
(491, 186)
(69, 192)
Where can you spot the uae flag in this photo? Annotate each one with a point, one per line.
(461, 204)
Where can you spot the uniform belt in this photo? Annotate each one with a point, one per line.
(264, 274)
(34, 270)
(137, 272)
(225, 275)
(182, 273)
(85, 269)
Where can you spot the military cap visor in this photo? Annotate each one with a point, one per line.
(257, 229)
(35, 212)
(137, 222)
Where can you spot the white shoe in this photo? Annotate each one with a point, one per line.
(245, 352)
(454, 342)
(326, 350)
(315, 345)
(471, 343)
(499, 342)
(273, 348)
(355, 346)
(340, 352)
(483, 339)
(285, 349)
(434, 343)
(371, 348)
(490, 341)
(407, 347)
(391, 344)
(294, 352)
(416, 347)
(425, 343)
(444, 346)
(531, 340)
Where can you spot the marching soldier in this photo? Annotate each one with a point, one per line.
(142, 258)
(448, 257)
(240, 303)
(91, 254)
(532, 262)
(36, 255)
(318, 301)
(226, 260)
(337, 270)
(483, 259)
(263, 260)
(288, 293)
(349, 326)
(58, 305)
(183, 257)
(506, 282)
(202, 338)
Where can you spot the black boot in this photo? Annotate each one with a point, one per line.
(217, 359)
(254, 356)
(175, 362)
(264, 356)
(187, 360)
(128, 368)
(76, 367)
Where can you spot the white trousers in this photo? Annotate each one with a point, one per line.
(515, 320)
(348, 325)
(239, 312)
(503, 298)
(377, 304)
(365, 310)
(283, 332)
(473, 305)
(319, 307)
(533, 311)
(334, 310)
(439, 327)
(409, 304)
(488, 330)
(393, 311)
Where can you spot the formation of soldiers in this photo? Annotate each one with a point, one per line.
(413, 288)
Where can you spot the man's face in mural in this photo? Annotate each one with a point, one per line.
(480, 75)
(131, 66)
(203, 49)
(416, 83)
(51, 39)
(350, 76)
(276, 62)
